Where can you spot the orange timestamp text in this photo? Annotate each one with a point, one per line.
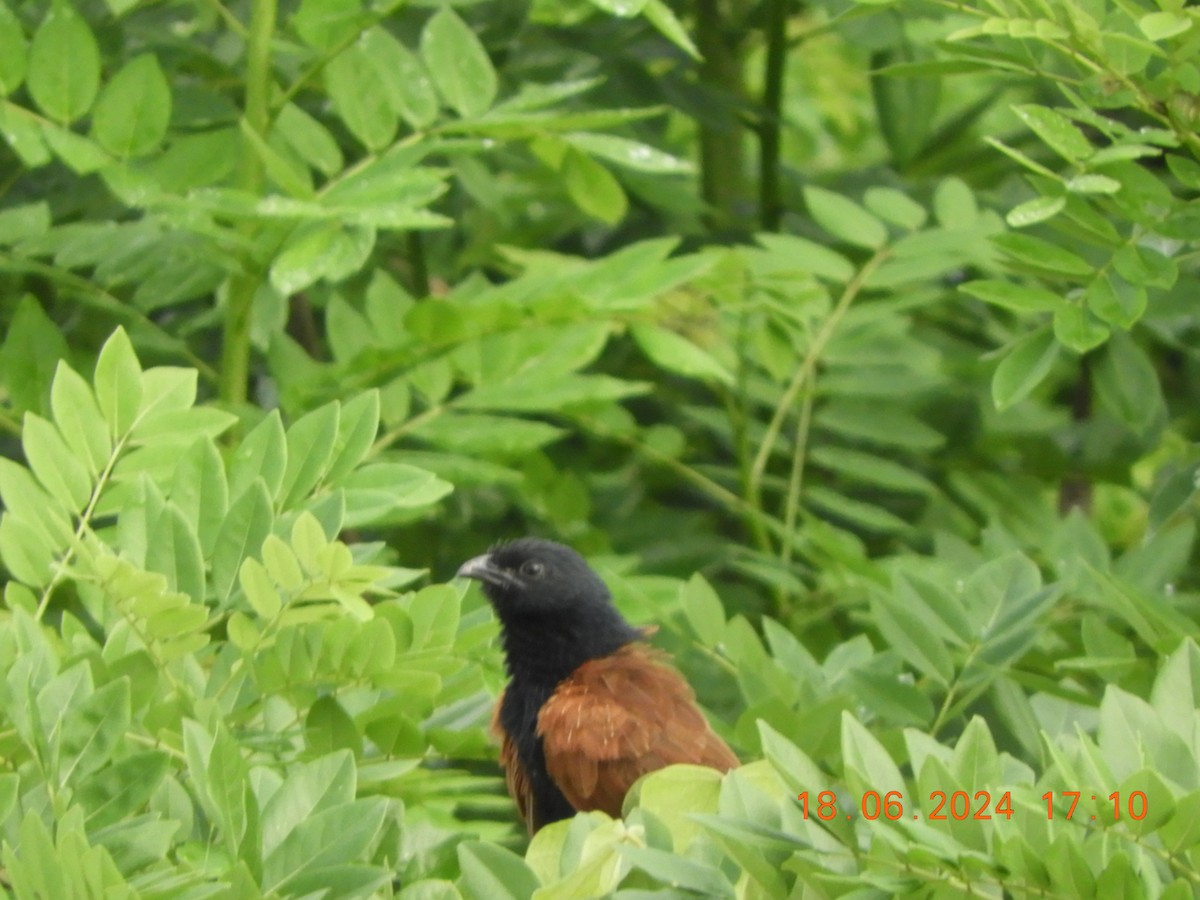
(960, 805)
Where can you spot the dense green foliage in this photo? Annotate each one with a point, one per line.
(855, 343)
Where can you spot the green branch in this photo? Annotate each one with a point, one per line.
(239, 302)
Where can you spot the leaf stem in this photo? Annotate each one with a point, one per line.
(770, 201)
(804, 375)
(243, 287)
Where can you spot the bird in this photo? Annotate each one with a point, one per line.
(589, 706)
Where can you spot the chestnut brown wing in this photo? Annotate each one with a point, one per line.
(515, 777)
(617, 718)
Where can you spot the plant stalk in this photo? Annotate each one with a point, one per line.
(235, 356)
(770, 203)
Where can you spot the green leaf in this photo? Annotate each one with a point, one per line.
(174, 550)
(321, 250)
(896, 207)
(976, 762)
(336, 836)
(259, 589)
(1017, 297)
(678, 871)
(10, 789)
(845, 219)
(309, 450)
(359, 99)
(92, 728)
(1093, 184)
(280, 167)
(1127, 384)
(200, 491)
(1077, 329)
(630, 154)
(31, 351)
(64, 64)
(489, 870)
(869, 767)
(1039, 209)
(402, 77)
(26, 555)
(118, 383)
(134, 109)
(1042, 254)
(22, 132)
(309, 139)
(809, 256)
(1145, 266)
(703, 609)
(912, 631)
(246, 526)
(1057, 131)
(1161, 26)
(593, 188)
(871, 469)
(22, 495)
(625, 9)
(328, 728)
(357, 426)
(261, 454)
(662, 17)
(1005, 603)
(119, 791)
(78, 418)
(13, 51)
(375, 493)
(530, 393)
(282, 564)
(24, 221)
(1024, 367)
(485, 435)
(324, 24)
(954, 204)
(1174, 494)
(675, 353)
(458, 64)
(309, 541)
(888, 426)
(56, 467)
(310, 788)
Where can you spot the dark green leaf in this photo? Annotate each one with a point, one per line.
(1017, 297)
(1127, 384)
(1024, 367)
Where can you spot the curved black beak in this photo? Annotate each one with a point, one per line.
(481, 568)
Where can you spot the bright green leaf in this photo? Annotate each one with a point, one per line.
(845, 219)
(675, 353)
(118, 382)
(64, 64)
(458, 64)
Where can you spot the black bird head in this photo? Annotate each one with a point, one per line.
(556, 613)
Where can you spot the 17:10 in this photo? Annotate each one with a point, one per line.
(1135, 803)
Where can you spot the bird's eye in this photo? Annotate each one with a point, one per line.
(531, 568)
